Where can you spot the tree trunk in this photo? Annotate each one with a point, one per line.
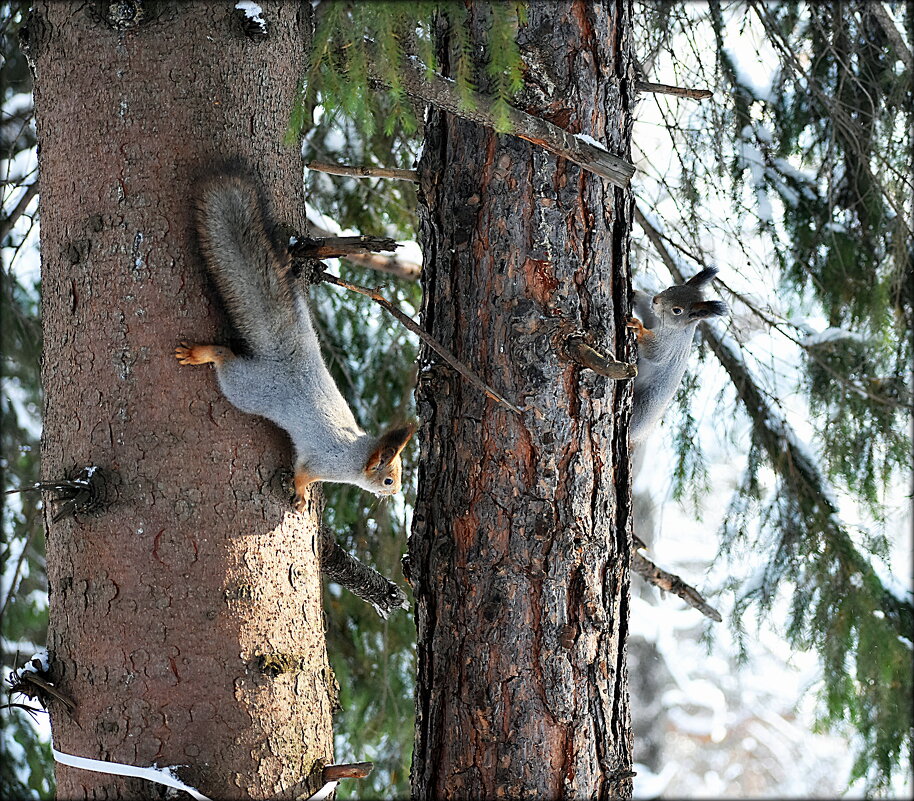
(185, 618)
(520, 549)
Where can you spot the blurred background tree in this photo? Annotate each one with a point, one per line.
(796, 180)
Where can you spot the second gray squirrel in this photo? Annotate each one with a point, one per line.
(284, 378)
(665, 330)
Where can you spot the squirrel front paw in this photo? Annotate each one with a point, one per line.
(643, 334)
(303, 479)
(189, 353)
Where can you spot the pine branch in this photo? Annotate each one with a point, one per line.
(443, 94)
(669, 582)
(799, 473)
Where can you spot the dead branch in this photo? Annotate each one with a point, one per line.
(332, 247)
(328, 774)
(8, 222)
(670, 582)
(362, 171)
(442, 93)
(44, 687)
(394, 265)
(878, 10)
(401, 268)
(361, 580)
(679, 91)
(429, 340)
(606, 365)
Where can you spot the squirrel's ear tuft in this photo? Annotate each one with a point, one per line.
(389, 446)
(700, 279)
(707, 308)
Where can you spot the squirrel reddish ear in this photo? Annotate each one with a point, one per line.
(389, 447)
(707, 308)
(700, 279)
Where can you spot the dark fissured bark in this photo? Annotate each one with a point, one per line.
(521, 538)
(166, 606)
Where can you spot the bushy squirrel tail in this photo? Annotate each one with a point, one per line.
(250, 272)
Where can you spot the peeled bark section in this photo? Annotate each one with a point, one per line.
(185, 618)
(520, 549)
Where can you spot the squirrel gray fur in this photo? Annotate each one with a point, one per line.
(284, 379)
(665, 330)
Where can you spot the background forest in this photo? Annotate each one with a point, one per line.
(780, 486)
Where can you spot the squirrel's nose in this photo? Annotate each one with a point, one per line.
(655, 299)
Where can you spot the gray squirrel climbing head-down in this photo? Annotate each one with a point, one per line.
(665, 326)
(283, 377)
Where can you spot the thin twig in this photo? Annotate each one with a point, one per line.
(33, 711)
(429, 340)
(362, 171)
(605, 365)
(679, 91)
(670, 582)
(8, 222)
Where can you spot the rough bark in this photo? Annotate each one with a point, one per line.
(185, 619)
(520, 549)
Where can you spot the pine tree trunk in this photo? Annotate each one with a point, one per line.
(519, 555)
(185, 618)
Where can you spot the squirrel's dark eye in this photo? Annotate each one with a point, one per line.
(676, 310)
(388, 481)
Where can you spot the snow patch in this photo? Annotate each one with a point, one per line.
(591, 141)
